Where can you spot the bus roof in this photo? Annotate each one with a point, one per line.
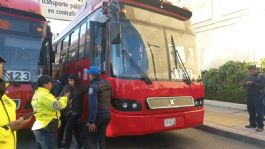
(32, 6)
(90, 6)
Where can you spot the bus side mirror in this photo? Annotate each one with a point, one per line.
(115, 33)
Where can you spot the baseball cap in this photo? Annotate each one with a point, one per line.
(93, 70)
(44, 80)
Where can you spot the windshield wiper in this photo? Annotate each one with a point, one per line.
(137, 68)
(177, 59)
(152, 56)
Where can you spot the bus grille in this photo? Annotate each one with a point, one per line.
(170, 102)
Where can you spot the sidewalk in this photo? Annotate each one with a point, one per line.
(229, 120)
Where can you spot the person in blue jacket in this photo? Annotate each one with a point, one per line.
(100, 94)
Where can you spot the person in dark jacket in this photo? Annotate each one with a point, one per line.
(254, 85)
(75, 109)
(100, 94)
(57, 90)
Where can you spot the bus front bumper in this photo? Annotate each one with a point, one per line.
(126, 125)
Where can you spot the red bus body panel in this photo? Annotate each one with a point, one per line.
(146, 121)
(152, 121)
(121, 125)
(24, 5)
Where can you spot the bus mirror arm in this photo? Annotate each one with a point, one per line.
(52, 56)
(105, 7)
(115, 26)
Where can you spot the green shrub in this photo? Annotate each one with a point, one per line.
(226, 82)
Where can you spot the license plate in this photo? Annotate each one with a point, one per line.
(168, 122)
(17, 101)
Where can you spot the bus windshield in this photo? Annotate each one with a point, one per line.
(20, 45)
(148, 42)
(22, 55)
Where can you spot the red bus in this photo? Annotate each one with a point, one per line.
(25, 43)
(146, 50)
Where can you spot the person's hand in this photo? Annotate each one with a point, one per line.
(19, 123)
(92, 127)
(27, 120)
(249, 82)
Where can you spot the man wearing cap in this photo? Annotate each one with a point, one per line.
(47, 108)
(8, 124)
(100, 94)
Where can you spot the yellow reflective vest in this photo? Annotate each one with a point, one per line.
(47, 107)
(7, 137)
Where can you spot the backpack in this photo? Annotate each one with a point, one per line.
(105, 93)
(259, 77)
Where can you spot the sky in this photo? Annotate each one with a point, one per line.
(57, 26)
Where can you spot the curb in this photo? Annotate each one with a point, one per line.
(225, 104)
(239, 135)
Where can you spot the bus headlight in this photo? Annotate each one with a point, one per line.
(126, 105)
(134, 106)
(198, 102)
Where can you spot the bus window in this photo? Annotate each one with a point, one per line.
(57, 53)
(73, 45)
(82, 40)
(64, 51)
(88, 39)
(97, 52)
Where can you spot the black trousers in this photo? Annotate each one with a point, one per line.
(72, 127)
(97, 139)
(61, 129)
(256, 110)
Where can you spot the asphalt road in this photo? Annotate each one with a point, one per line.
(180, 139)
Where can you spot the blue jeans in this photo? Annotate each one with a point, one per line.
(46, 138)
(264, 103)
(256, 110)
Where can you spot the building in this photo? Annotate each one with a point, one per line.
(228, 30)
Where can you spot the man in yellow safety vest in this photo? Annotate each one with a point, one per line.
(8, 123)
(47, 108)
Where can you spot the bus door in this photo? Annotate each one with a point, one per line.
(46, 58)
(97, 52)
